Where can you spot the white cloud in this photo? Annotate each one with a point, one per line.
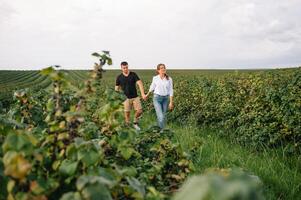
(215, 34)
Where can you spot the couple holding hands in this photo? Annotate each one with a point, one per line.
(161, 87)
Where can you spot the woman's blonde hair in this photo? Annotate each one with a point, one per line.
(158, 68)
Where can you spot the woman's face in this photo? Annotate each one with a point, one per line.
(162, 69)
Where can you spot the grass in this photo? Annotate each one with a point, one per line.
(280, 174)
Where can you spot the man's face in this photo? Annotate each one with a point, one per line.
(125, 69)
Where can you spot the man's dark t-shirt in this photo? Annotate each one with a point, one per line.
(128, 84)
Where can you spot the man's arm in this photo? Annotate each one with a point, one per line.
(117, 85)
(117, 88)
(141, 88)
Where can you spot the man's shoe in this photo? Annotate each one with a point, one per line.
(126, 125)
(135, 125)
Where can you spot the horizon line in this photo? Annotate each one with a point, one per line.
(171, 68)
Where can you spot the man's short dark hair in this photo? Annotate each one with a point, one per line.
(124, 63)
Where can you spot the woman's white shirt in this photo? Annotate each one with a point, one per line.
(161, 87)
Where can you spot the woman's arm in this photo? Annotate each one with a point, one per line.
(171, 104)
(148, 93)
(152, 87)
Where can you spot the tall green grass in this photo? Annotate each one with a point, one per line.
(280, 174)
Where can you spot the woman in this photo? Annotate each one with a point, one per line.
(162, 88)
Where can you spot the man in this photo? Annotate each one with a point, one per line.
(126, 82)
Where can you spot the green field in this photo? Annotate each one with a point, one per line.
(63, 141)
(12, 80)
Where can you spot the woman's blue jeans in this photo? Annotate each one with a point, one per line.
(161, 105)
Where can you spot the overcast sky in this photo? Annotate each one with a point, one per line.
(182, 34)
